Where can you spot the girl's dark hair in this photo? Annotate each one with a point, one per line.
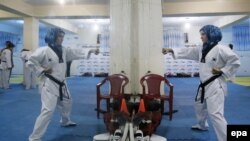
(9, 44)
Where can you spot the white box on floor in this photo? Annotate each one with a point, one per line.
(105, 137)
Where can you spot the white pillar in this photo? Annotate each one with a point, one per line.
(30, 33)
(136, 39)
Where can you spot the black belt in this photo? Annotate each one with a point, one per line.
(202, 86)
(61, 84)
(3, 61)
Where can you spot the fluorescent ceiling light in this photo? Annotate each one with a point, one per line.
(95, 27)
(62, 2)
(187, 25)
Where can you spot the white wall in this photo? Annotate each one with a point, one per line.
(88, 35)
(193, 34)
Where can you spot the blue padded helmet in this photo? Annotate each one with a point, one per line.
(213, 33)
(51, 36)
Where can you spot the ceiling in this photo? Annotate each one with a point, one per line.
(76, 2)
(170, 21)
(196, 21)
(66, 2)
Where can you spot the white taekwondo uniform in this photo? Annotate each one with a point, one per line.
(30, 79)
(6, 66)
(43, 58)
(221, 57)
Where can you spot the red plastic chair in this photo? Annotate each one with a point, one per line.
(117, 83)
(151, 86)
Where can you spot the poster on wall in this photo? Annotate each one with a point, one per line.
(96, 64)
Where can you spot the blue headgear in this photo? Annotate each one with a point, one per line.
(50, 39)
(9, 44)
(213, 34)
(51, 36)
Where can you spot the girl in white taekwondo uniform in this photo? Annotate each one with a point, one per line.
(217, 63)
(6, 57)
(50, 63)
(29, 76)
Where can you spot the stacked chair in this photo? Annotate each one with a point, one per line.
(125, 122)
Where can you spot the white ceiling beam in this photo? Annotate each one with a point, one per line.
(91, 11)
(7, 15)
(61, 24)
(175, 8)
(208, 7)
(55, 11)
(20, 7)
(17, 7)
(229, 20)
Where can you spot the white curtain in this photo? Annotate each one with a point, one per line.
(104, 39)
(241, 38)
(173, 37)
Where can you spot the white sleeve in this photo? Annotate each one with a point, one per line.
(35, 61)
(190, 53)
(76, 53)
(232, 62)
(8, 58)
(23, 55)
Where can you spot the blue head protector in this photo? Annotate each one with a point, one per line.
(213, 34)
(51, 36)
(50, 39)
